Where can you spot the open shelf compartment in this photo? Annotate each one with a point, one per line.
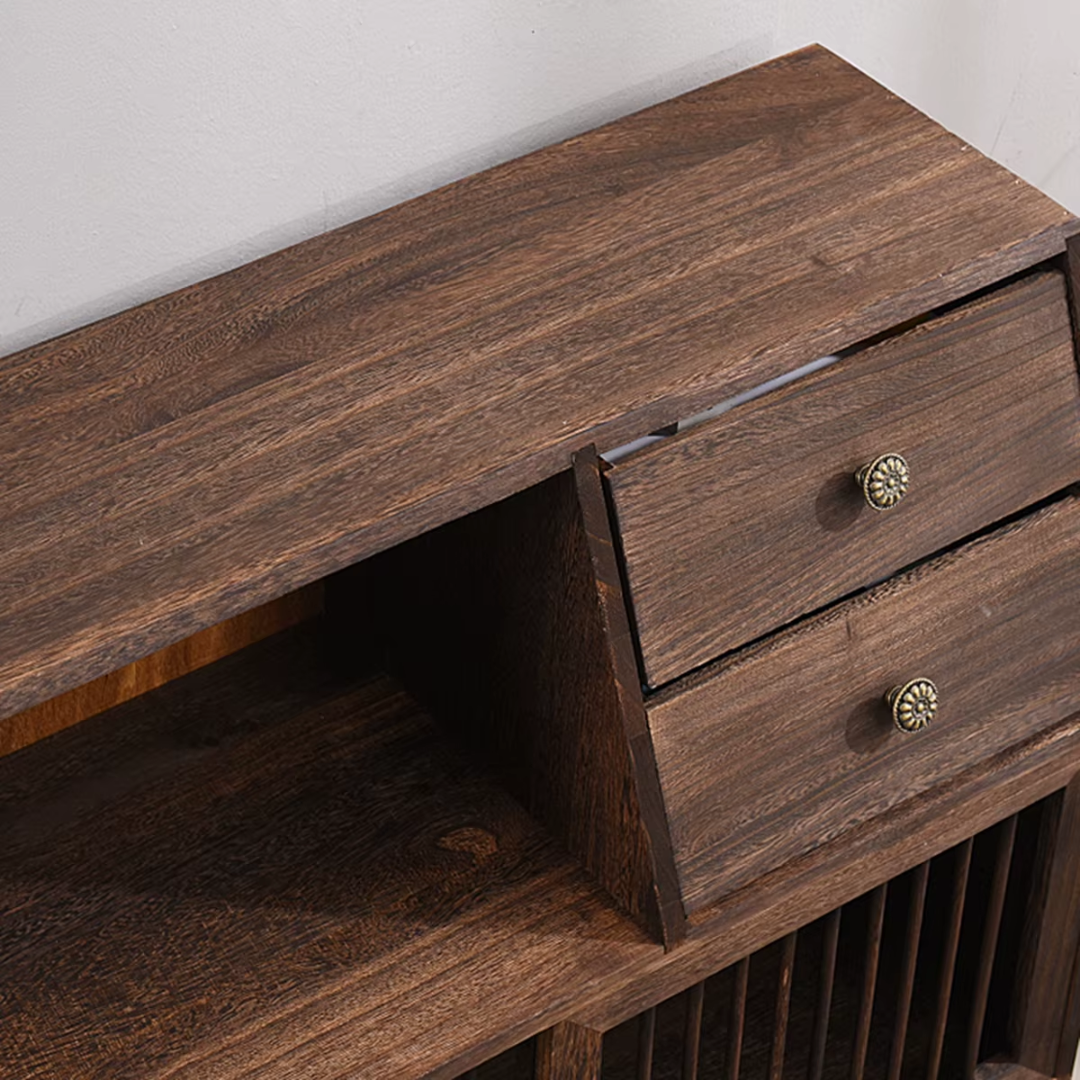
(264, 869)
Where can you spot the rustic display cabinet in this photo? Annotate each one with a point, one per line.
(616, 616)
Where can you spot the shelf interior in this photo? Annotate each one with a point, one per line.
(263, 869)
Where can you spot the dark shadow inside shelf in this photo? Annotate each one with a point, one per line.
(243, 838)
(264, 782)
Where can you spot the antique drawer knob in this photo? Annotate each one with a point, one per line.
(884, 481)
(914, 705)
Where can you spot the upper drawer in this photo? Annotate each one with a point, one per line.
(746, 522)
(788, 744)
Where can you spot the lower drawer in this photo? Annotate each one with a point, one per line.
(788, 744)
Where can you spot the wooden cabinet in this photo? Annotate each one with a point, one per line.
(438, 743)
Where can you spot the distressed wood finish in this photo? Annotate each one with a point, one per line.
(510, 624)
(161, 667)
(260, 871)
(790, 743)
(742, 524)
(188, 459)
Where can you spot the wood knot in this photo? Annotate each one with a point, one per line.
(477, 842)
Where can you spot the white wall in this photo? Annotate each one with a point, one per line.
(146, 145)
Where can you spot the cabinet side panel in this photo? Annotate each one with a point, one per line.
(1069, 263)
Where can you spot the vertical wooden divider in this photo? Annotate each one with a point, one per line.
(1046, 1030)
(569, 1052)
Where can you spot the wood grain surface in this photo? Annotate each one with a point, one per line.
(188, 459)
(259, 871)
(789, 744)
(155, 670)
(745, 523)
(607, 606)
(509, 624)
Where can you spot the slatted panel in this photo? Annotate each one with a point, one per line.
(914, 979)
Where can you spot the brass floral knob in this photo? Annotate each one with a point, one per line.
(884, 481)
(914, 705)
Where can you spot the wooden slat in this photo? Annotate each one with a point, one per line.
(193, 457)
(569, 1052)
(737, 1019)
(994, 907)
(1070, 1028)
(695, 1002)
(827, 975)
(783, 1007)
(948, 957)
(645, 1043)
(920, 877)
(1070, 266)
(872, 954)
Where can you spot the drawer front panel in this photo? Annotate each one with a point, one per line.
(744, 523)
(788, 744)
